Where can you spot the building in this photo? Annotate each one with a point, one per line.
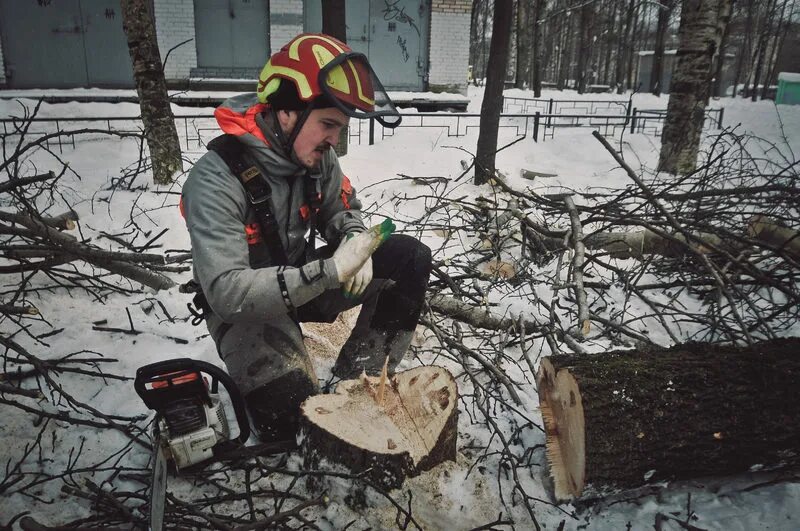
(644, 70)
(413, 45)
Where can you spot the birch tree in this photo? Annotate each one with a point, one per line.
(699, 36)
(151, 87)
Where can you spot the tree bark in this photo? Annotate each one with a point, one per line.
(333, 19)
(763, 39)
(631, 47)
(523, 43)
(744, 51)
(719, 62)
(334, 24)
(723, 20)
(699, 38)
(387, 429)
(621, 51)
(621, 419)
(584, 48)
(773, 55)
(536, 67)
(565, 60)
(151, 87)
(492, 104)
(664, 14)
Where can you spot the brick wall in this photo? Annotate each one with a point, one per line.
(449, 48)
(2, 66)
(286, 21)
(175, 24)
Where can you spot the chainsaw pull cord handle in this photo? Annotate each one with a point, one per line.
(154, 371)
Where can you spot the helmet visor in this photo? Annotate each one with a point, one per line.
(352, 85)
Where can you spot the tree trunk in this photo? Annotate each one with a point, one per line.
(774, 52)
(385, 430)
(333, 24)
(763, 39)
(584, 46)
(621, 49)
(629, 82)
(537, 49)
(492, 104)
(624, 418)
(565, 66)
(680, 140)
(745, 51)
(664, 14)
(151, 87)
(333, 19)
(723, 19)
(612, 23)
(719, 62)
(523, 44)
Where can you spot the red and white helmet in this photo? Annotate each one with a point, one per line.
(323, 68)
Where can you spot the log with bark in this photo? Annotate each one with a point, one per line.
(622, 419)
(385, 429)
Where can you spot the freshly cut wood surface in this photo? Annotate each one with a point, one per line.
(411, 429)
(626, 418)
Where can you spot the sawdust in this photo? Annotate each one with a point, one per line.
(325, 340)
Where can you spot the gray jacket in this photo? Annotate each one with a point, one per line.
(240, 284)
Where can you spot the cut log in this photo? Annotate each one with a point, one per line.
(412, 429)
(623, 419)
(773, 233)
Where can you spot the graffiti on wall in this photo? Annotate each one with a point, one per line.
(403, 49)
(392, 11)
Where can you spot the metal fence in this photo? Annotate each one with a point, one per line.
(538, 126)
(194, 131)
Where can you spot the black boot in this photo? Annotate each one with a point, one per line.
(275, 407)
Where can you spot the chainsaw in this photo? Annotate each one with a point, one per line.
(190, 425)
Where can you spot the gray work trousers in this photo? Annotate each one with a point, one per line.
(268, 359)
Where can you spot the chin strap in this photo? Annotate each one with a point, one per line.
(287, 143)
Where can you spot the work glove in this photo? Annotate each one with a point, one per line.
(355, 285)
(353, 257)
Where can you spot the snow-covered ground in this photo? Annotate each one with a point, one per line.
(468, 493)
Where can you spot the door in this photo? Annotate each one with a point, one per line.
(393, 34)
(398, 47)
(108, 61)
(43, 44)
(69, 43)
(232, 34)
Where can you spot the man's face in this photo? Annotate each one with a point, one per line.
(319, 133)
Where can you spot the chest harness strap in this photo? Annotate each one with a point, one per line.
(259, 195)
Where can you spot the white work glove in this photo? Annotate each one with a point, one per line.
(355, 285)
(353, 254)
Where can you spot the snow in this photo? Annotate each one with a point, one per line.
(790, 77)
(470, 492)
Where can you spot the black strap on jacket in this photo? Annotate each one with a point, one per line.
(313, 191)
(259, 193)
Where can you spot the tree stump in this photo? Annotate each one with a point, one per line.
(622, 419)
(385, 429)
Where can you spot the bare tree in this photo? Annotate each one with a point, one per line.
(699, 36)
(493, 96)
(664, 14)
(159, 123)
(761, 48)
(523, 43)
(333, 24)
(586, 27)
(618, 73)
(536, 55)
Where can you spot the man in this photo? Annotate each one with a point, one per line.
(250, 201)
